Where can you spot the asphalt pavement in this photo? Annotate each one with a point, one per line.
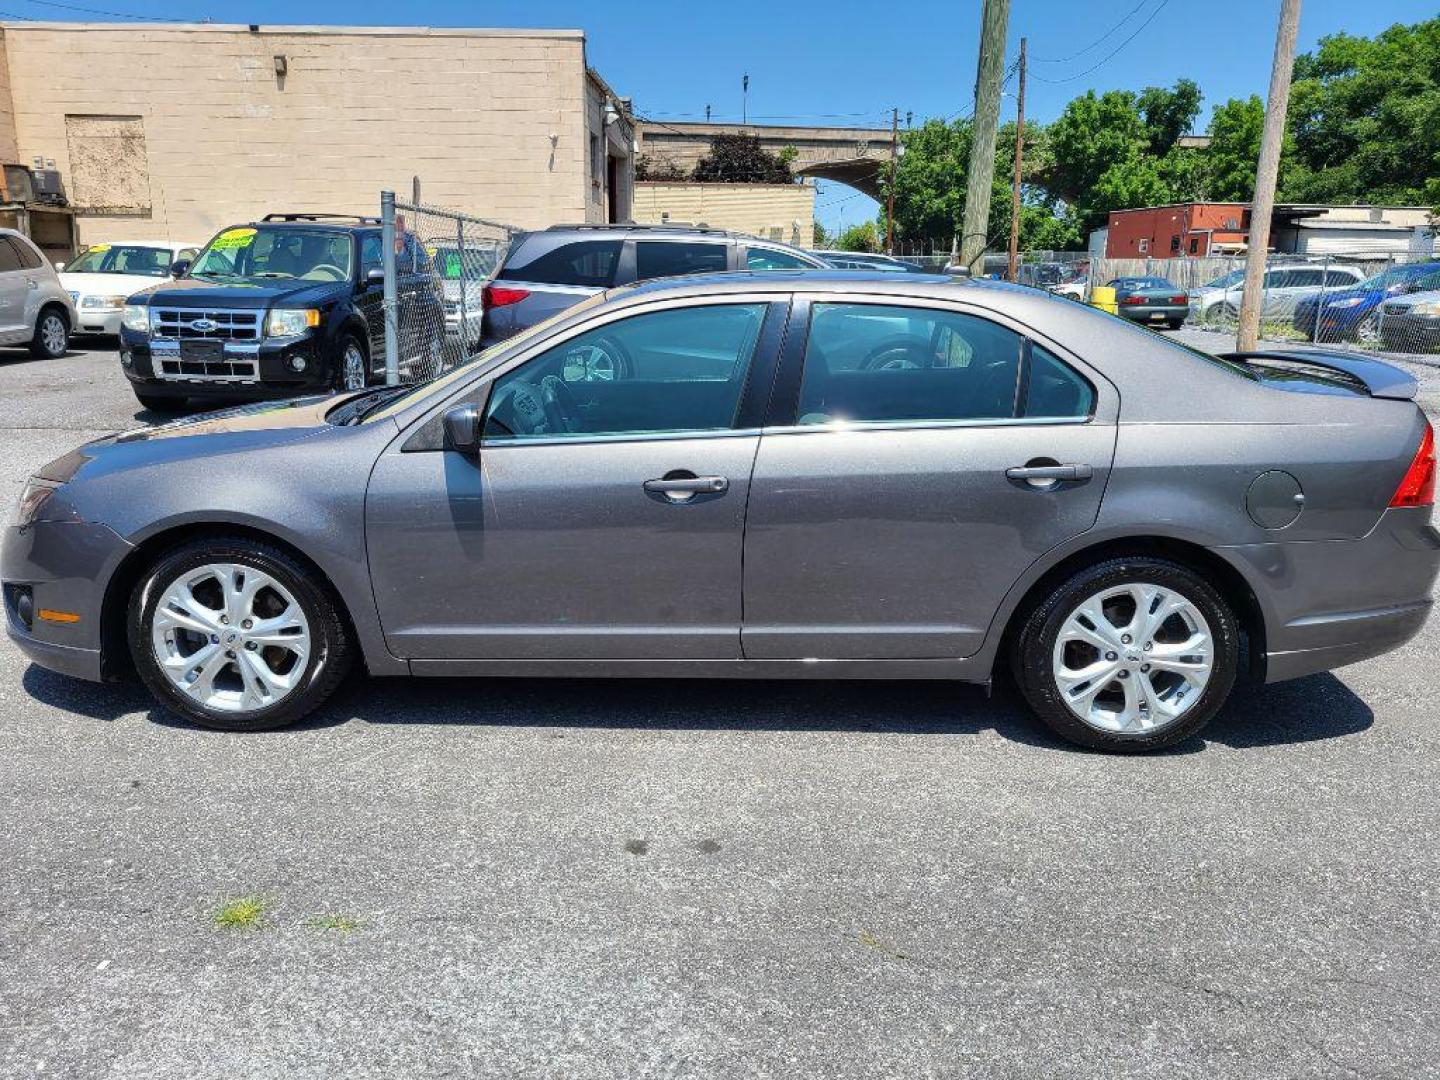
(531, 878)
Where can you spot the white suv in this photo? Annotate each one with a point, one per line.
(34, 309)
(1219, 301)
(103, 276)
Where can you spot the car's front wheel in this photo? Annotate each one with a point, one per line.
(237, 635)
(1128, 655)
(353, 370)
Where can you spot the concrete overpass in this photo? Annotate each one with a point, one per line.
(853, 156)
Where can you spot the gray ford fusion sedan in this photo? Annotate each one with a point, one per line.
(777, 475)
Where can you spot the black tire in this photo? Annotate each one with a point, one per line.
(326, 666)
(1033, 647)
(160, 403)
(337, 379)
(1176, 324)
(44, 343)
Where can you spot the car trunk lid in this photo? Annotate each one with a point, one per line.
(1316, 371)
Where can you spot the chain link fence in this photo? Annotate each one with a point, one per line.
(437, 262)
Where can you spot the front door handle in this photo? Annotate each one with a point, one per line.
(680, 486)
(1050, 472)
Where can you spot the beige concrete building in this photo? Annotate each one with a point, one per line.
(784, 212)
(174, 131)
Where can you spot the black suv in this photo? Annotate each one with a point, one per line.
(290, 304)
(546, 272)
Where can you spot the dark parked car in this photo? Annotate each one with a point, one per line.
(545, 272)
(1151, 300)
(1354, 314)
(788, 476)
(289, 304)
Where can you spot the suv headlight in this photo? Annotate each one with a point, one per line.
(137, 318)
(1428, 307)
(291, 322)
(37, 492)
(105, 303)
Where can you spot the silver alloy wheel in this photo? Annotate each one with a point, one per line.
(590, 363)
(1133, 658)
(1368, 332)
(230, 637)
(352, 367)
(52, 334)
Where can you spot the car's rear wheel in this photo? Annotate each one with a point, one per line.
(52, 334)
(1129, 655)
(237, 635)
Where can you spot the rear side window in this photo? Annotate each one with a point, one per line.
(771, 259)
(1305, 278)
(589, 263)
(666, 258)
(25, 253)
(870, 362)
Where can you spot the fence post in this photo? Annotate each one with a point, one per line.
(1320, 300)
(464, 290)
(391, 302)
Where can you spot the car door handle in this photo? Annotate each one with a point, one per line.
(678, 487)
(1050, 472)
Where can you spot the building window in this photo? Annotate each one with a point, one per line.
(109, 168)
(1143, 246)
(1194, 245)
(597, 158)
(1175, 245)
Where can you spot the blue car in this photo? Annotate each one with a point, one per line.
(1354, 314)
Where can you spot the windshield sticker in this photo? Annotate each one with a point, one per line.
(452, 264)
(231, 239)
(98, 247)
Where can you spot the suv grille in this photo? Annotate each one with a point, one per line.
(206, 344)
(1394, 308)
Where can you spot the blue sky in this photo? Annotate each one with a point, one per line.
(846, 61)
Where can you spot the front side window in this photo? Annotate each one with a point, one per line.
(870, 362)
(264, 252)
(666, 258)
(1306, 278)
(122, 259)
(771, 259)
(682, 369)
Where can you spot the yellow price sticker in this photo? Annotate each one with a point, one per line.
(431, 250)
(232, 239)
(98, 247)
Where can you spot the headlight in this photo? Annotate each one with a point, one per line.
(35, 495)
(105, 303)
(291, 322)
(1429, 307)
(136, 318)
(1347, 302)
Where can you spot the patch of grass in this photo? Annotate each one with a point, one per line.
(343, 923)
(1278, 331)
(241, 914)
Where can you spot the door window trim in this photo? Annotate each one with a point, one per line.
(783, 415)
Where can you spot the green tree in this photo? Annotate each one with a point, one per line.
(740, 159)
(1234, 150)
(1365, 119)
(862, 237)
(822, 236)
(1168, 114)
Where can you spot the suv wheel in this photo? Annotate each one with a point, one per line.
(52, 334)
(237, 635)
(1129, 655)
(353, 371)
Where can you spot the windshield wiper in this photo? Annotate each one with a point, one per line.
(367, 401)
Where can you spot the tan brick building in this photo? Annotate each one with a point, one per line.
(173, 131)
(784, 212)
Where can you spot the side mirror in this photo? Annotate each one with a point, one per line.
(178, 267)
(462, 429)
(375, 275)
(59, 266)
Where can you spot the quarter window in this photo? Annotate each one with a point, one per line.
(28, 257)
(770, 259)
(682, 369)
(665, 258)
(9, 256)
(1053, 389)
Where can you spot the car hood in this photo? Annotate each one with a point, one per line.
(108, 284)
(1409, 300)
(1332, 297)
(197, 293)
(227, 431)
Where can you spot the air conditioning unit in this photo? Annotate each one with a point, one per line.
(48, 186)
(18, 188)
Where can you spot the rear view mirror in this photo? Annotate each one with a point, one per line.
(178, 268)
(462, 429)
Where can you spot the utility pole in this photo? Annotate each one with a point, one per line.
(1266, 172)
(744, 99)
(707, 114)
(890, 185)
(990, 73)
(1019, 154)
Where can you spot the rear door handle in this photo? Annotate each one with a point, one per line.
(1050, 472)
(681, 488)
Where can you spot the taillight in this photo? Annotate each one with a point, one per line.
(1133, 300)
(1179, 300)
(494, 296)
(1418, 487)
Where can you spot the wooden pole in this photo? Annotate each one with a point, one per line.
(990, 73)
(1019, 154)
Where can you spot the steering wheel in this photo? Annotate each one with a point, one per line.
(561, 411)
(900, 351)
(327, 272)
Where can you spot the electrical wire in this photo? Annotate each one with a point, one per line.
(110, 14)
(1093, 44)
(1109, 56)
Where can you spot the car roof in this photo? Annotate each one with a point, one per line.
(859, 281)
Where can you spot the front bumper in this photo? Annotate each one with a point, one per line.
(1410, 333)
(64, 565)
(98, 321)
(241, 372)
(1328, 603)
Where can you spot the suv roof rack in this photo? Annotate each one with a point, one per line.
(675, 227)
(359, 219)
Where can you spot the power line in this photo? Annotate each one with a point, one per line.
(1097, 41)
(1109, 56)
(110, 14)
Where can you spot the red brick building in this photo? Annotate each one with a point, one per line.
(1167, 232)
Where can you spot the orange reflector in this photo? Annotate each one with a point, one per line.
(50, 615)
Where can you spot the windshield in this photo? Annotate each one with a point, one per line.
(1234, 277)
(263, 252)
(1393, 276)
(122, 259)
